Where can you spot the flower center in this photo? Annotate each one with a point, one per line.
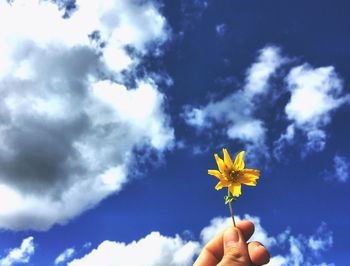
(234, 176)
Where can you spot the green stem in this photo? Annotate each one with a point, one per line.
(231, 211)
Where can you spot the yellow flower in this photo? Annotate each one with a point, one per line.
(232, 175)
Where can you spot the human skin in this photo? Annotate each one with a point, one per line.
(230, 248)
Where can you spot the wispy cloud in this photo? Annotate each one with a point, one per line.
(70, 119)
(321, 240)
(221, 29)
(341, 168)
(65, 256)
(19, 255)
(236, 113)
(340, 171)
(315, 94)
(305, 250)
(192, 11)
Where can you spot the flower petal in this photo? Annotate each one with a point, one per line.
(251, 171)
(215, 173)
(235, 190)
(221, 165)
(248, 179)
(249, 182)
(239, 163)
(227, 159)
(251, 176)
(219, 185)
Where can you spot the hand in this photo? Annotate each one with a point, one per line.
(229, 248)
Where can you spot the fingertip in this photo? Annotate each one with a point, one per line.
(247, 228)
(258, 254)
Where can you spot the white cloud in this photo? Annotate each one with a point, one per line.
(153, 250)
(305, 250)
(315, 94)
(296, 256)
(247, 131)
(301, 252)
(67, 135)
(87, 245)
(119, 24)
(19, 255)
(249, 114)
(322, 240)
(65, 256)
(195, 117)
(156, 249)
(258, 75)
(235, 113)
(341, 168)
(277, 261)
(340, 172)
(216, 225)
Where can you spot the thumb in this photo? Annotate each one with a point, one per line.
(235, 249)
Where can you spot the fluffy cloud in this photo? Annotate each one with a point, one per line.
(68, 120)
(154, 249)
(19, 255)
(315, 95)
(236, 112)
(65, 256)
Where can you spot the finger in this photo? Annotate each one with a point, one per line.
(235, 249)
(213, 252)
(247, 229)
(206, 258)
(215, 246)
(258, 253)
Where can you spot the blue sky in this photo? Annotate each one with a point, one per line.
(111, 111)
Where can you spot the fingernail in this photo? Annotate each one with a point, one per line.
(231, 236)
(257, 246)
